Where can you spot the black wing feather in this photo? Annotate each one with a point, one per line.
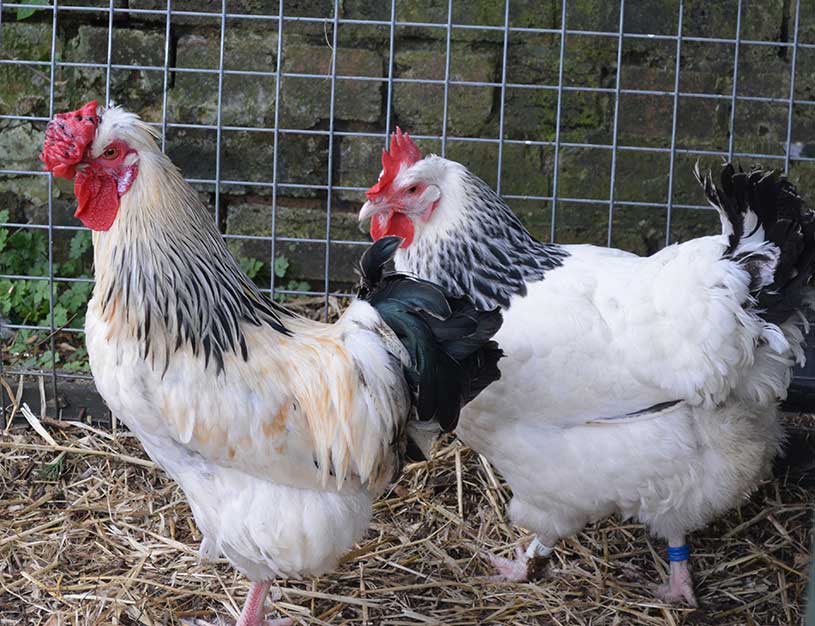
(452, 356)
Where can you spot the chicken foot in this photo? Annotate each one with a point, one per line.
(527, 565)
(680, 582)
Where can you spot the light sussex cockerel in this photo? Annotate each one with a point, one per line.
(646, 387)
(279, 429)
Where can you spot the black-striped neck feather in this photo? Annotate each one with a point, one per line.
(485, 251)
(164, 275)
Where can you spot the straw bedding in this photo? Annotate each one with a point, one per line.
(92, 533)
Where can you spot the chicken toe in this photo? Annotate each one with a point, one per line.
(510, 570)
(527, 565)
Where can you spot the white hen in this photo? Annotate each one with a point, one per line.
(646, 387)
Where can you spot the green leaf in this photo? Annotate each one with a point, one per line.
(51, 471)
(281, 266)
(298, 285)
(40, 293)
(292, 285)
(25, 252)
(24, 13)
(60, 316)
(44, 360)
(77, 361)
(20, 343)
(250, 266)
(76, 366)
(80, 243)
(6, 289)
(75, 298)
(4, 231)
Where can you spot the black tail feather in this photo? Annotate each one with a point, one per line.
(780, 212)
(452, 357)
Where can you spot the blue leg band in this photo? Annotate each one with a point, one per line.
(681, 553)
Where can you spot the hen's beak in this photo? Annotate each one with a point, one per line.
(371, 208)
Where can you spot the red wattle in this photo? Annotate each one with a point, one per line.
(392, 223)
(379, 225)
(98, 198)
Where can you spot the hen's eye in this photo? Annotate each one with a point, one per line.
(413, 189)
(111, 152)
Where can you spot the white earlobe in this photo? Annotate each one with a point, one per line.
(431, 194)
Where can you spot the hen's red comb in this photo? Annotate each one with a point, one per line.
(67, 137)
(403, 152)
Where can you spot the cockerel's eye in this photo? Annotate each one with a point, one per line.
(111, 152)
(413, 189)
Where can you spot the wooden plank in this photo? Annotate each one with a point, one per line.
(77, 400)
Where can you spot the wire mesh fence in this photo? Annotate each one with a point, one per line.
(586, 117)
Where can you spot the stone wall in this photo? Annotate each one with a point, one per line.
(419, 53)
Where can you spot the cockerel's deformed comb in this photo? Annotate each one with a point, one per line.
(402, 152)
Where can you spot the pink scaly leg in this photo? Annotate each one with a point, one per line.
(680, 582)
(252, 613)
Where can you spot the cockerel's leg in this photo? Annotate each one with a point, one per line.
(680, 582)
(526, 566)
(252, 613)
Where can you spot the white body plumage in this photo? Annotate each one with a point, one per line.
(237, 447)
(628, 333)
